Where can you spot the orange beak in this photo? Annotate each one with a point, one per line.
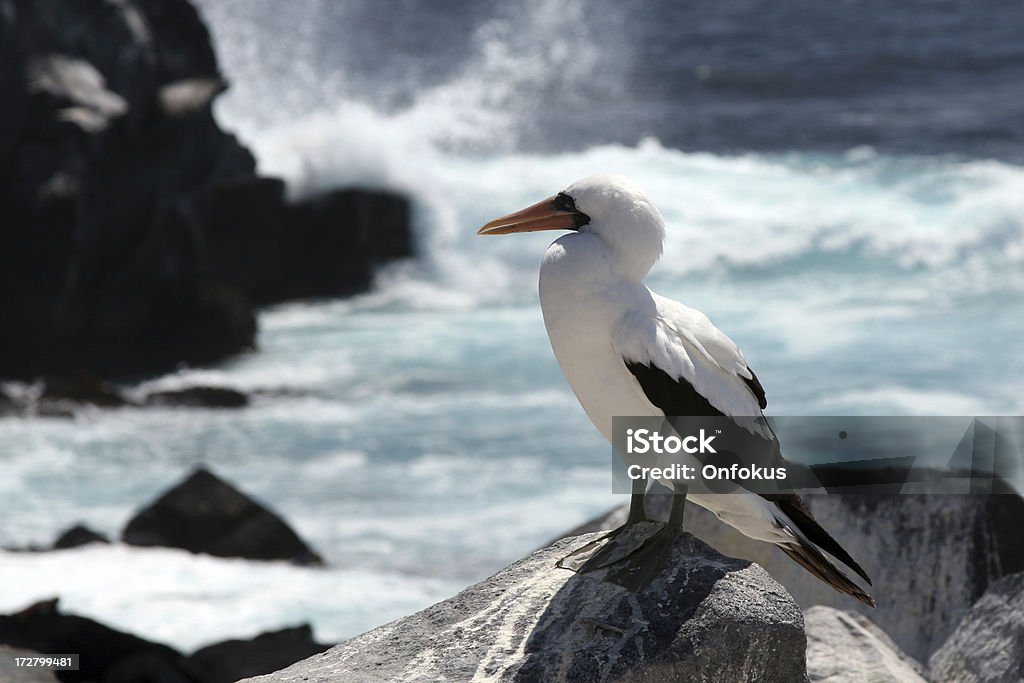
(540, 216)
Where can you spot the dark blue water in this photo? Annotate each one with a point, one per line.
(916, 76)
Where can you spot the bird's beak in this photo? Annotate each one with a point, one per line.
(541, 216)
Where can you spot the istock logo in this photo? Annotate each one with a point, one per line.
(642, 441)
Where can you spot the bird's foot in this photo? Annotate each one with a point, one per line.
(634, 554)
(636, 571)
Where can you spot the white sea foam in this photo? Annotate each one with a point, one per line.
(190, 600)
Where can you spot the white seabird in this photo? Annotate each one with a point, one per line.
(627, 351)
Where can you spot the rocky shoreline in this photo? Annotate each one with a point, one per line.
(200, 514)
(705, 616)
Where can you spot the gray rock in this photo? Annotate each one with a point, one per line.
(705, 618)
(988, 644)
(930, 557)
(844, 646)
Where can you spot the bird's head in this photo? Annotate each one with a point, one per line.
(608, 205)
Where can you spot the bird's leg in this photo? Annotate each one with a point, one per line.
(609, 549)
(637, 513)
(654, 554)
(639, 550)
(675, 516)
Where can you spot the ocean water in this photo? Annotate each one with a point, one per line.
(844, 190)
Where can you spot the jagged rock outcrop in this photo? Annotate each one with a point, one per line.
(205, 514)
(705, 617)
(930, 556)
(106, 159)
(844, 646)
(988, 643)
(136, 234)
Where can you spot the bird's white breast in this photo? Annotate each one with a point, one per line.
(582, 300)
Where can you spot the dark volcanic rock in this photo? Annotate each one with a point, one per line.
(706, 617)
(136, 234)
(324, 246)
(82, 387)
(199, 397)
(78, 535)
(107, 160)
(231, 660)
(204, 514)
(71, 538)
(105, 654)
(111, 656)
(930, 556)
(331, 244)
(988, 644)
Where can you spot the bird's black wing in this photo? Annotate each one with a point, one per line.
(678, 397)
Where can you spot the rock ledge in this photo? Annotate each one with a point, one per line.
(706, 617)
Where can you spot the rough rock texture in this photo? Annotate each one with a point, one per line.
(106, 655)
(988, 644)
(204, 514)
(843, 646)
(9, 673)
(704, 618)
(930, 557)
(135, 232)
(231, 660)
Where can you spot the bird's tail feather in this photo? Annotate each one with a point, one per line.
(814, 561)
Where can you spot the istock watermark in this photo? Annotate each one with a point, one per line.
(645, 440)
(835, 454)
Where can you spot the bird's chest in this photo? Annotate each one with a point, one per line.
(580, 329)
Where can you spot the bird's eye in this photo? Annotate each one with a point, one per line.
(564, 202)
